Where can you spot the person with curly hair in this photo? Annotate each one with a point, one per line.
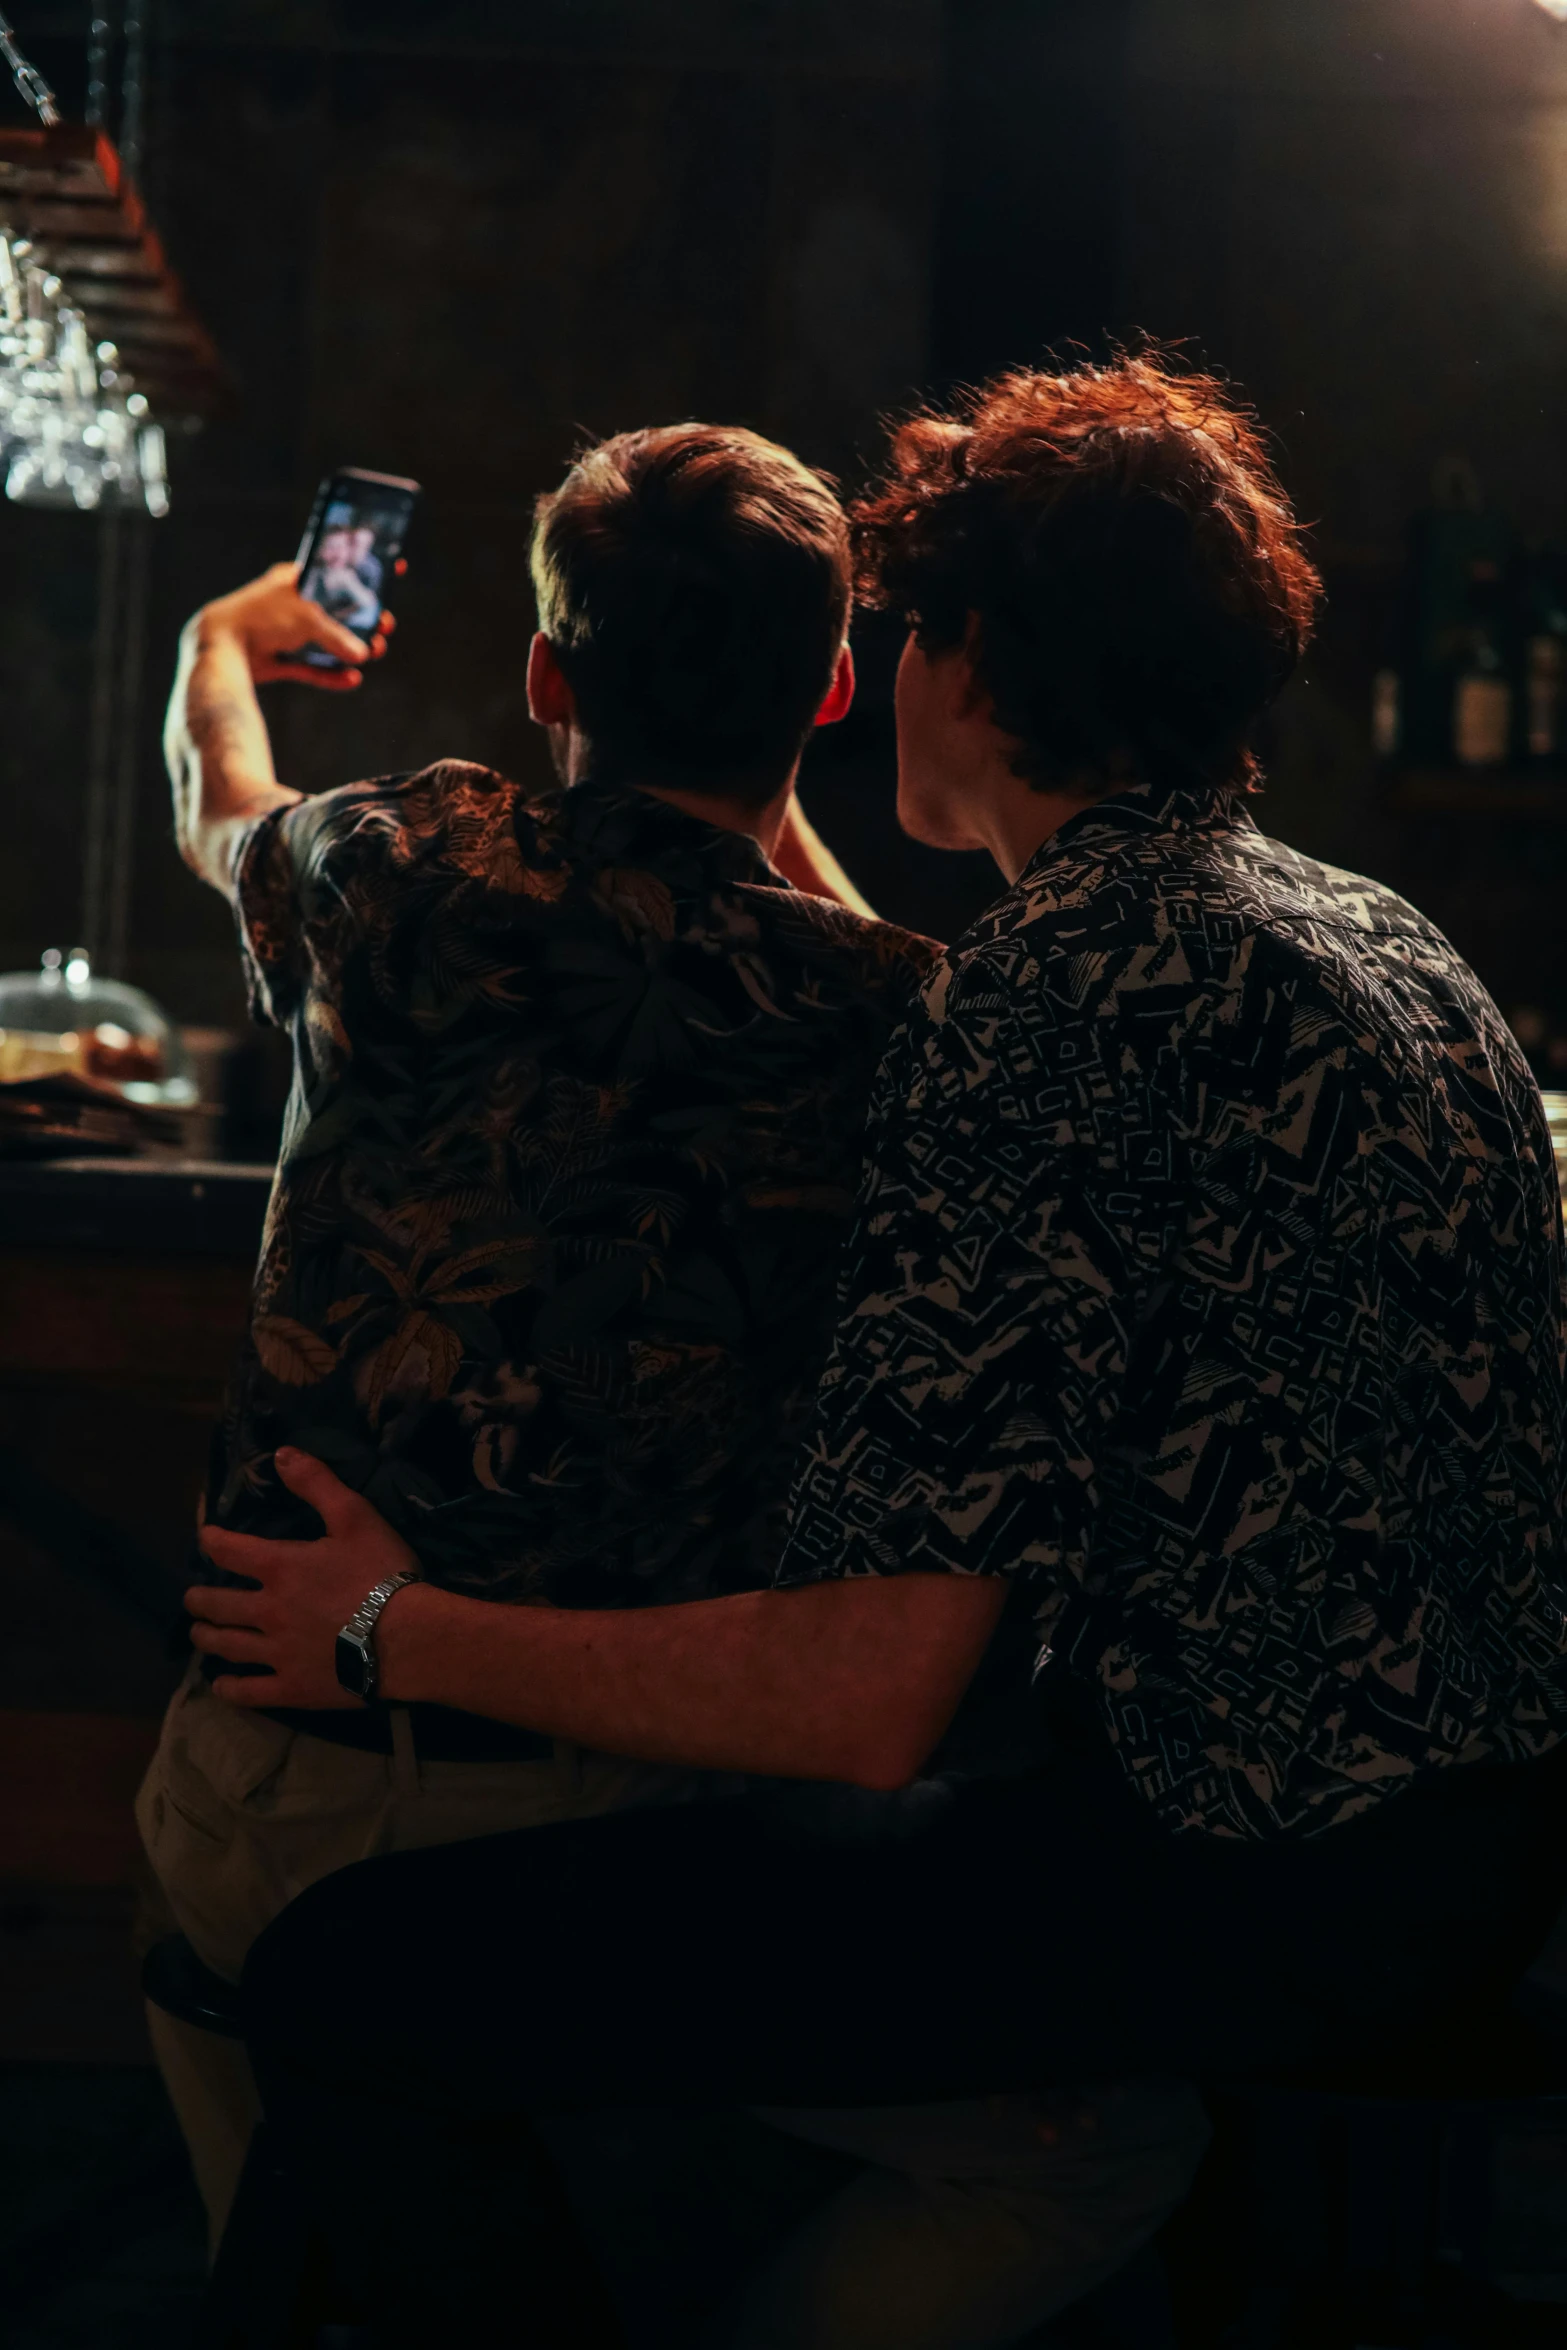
(1173, 1594)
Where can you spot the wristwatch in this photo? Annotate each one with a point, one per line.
(357, 1663)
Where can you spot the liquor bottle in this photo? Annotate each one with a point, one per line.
(1543, 698)
(1386, 716)
(1456, 670)
(1540, 721)
(1482, 686)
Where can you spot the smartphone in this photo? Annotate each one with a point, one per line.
(350, 550)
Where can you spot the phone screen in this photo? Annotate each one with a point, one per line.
(350, 549)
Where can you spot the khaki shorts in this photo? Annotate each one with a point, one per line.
(239, 1814)
(969, 2222)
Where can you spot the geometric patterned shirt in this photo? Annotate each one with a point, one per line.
(1208, 1280)
(578, 1114)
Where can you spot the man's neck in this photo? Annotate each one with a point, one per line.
(1009, 817)
(574, 763)
(764, 824)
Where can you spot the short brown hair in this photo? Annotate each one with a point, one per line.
(694, 581)
(1132, 563)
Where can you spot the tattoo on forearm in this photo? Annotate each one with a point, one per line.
(219, 753)
(222, 725)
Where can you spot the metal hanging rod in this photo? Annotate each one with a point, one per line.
(27, 77)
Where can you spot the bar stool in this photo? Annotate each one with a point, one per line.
(272, 2285)
(1370, 2192)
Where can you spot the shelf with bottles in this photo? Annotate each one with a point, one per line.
(1476, 791)
(1469, 706)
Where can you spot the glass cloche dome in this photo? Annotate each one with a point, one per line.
(62, 1021)
(1556, 1119)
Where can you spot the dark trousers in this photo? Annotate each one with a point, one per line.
(819, 1948)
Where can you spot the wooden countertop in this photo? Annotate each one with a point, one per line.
(127, 1274)
(134, 1207)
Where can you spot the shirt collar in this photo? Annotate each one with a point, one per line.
(619, 825)
(1140, 809)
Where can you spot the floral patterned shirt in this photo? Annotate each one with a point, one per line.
(1208, 1279)
(576, 1126)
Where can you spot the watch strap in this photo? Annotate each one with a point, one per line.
(355, 1655)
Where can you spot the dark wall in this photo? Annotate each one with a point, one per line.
(1028, 242)
(450, 242)
(1359, 208)
(450, 238)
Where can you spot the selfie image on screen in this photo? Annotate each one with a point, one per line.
(346, 573)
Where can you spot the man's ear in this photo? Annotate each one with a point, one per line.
(551, 701)
(839, 694)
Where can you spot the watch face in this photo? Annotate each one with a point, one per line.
(355, 1664)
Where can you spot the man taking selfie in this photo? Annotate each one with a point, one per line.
(574, 1136)
(574, 1130)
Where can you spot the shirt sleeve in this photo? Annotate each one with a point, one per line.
(268, 912)
(295, 868)
(983, 1337)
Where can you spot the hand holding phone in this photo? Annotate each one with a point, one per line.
(270, 619)
(351, 550)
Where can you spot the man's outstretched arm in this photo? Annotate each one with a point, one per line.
(851, 1680)
(215, 739)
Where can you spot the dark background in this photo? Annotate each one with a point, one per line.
(447, 238)
(450, 238)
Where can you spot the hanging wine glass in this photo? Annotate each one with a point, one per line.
(56, 462)
(76, 432)
(12, 316)
(153, 464)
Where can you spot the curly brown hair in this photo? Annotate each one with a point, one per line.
(1118, 540)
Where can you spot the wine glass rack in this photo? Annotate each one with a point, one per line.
(64, 188)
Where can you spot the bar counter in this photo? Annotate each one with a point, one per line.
(124, 1286)
(120, 1273)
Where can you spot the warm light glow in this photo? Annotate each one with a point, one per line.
(1556, 8)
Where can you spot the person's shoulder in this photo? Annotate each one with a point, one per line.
(415, 794)
(438, 794)
(1333, 926)
(453, 808)
(1341, 930)
(862, 949)
(1208, 890)
(1299, 887)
